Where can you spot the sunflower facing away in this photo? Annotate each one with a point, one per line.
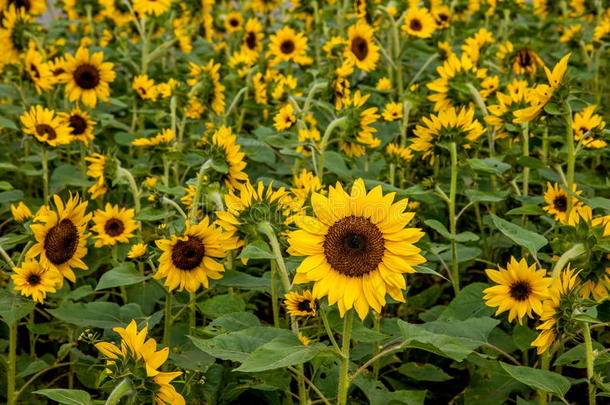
(96, 169)
(520, 290)
(87, 77)
(358, 134)
(225, 142)
(207, 80)
(190, 260)
(300, 304)
(34, 280)
(113, 225)
(138, 357)
(356, 248)
(556, 200)
(361, 49)
(61, 238)
(38, 70)
(45, 126)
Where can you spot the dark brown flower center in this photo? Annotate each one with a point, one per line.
(520, 290)
(524, 58)
(354, 246)
(61, 242)
(360, 48)
(46, 130)
(26, 4)
(287, 46)
(415, 24)
(188, 254)
(114, 227)
(87, 76)
(233, 22)
(251, 40)
(304, 306)
(33, 279)
(34, 71)
(443, 17)
(561, 203)
(78, 124)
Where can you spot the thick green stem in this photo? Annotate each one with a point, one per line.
(324, 142)
(266, 229)
(133, 187)
(568, 255)
(590, 357)
(125, 387)
(544, 365)
(168, 319)
(526, 153)
(12, 364)
(192, 312)
(45, 174)
(344, 367)
(274, 297)
(571, 151)
(453, 219)
(545, 144)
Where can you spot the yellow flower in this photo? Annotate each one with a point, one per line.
(288, 46)
(207, 78)
(526, 62)
(501, 113)
(304, 339)
(39, 72)
(285, 118)
(137, 250)
(306, 183)
(163, 137)
(358, 133)
(399, 154)
(156, 7)
(392, 111)
(14, 27)
(21, 212)
(584, 123)
(226, 142)
(34, 280)
(419, 23)
(80, 124)
(96, 170)
(113, 225)
(520, 290)
(569, 32)
(360, 48)
(31, 7)
(442, 16)
(151, 181)
(356, 248)
(556, 200)
(253, 37)
(45, 126)
(300, 304)
(384, 84)
(234, 21)
(145, 87)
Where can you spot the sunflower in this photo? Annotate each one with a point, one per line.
(32, 7)
(454, 125)
(560, 303)
(288, 46)
(113, 225)
(305, 184)
(96, 170)
(584, 124)
(190, 260)
(392, 112)
(557, 201)
(39, 72)
(225, 142)
(253, 37)
(442, 16)
(300, 304)
(234, 22)
(285, 118)
(356, 248)
(136, 251)
(87, 77)
(61, 238)
(145, 87)
(163, 137)
(449, 87)
(139, 358)
(525, 62)
(596, 287)
(520, 290)
(358, 133)
(210, 90)
(21, 212)
(15, 27)
(361, 49)
(45, 126)
(80, 124)
(419, 23)
(398, 154)
(502, 113)
(34, 280)
(148, 7)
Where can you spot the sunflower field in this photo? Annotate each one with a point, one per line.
(304, 202)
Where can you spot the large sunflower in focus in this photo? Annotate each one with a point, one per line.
(87, 77)
(361, 49)
(61, 238)
(356, 248)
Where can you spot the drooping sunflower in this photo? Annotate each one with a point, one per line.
(96, 169)
(45, 126)
(556, 200)
(521, 289)
(38, 70)
(210, 90)
(138, 357)
(87, 77)
(361, 49)
(113, 225)
(300, 304)
(34, 280)
(288, 46)
(356, 248)
(149, 7)
(419, 23)
(285, 118)
(586, 124)
(15, 26)
(560, 303)
(190, 260)
(80, 124)
(61, 237)
(456, 126)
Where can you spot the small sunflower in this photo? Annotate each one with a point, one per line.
(145, 87)
(21, 212)
(61, 238)
(392, 112)
(38, 70)
(300, 304)
(358, 134)
(285, 118)
(234, 22)
(136, 251)
(80, 124)
(556, 200)
(87, 77)
(162, 138)
(96, 169)
(149, 7)
(113, 225)
(31, 7)
(419, 23)
(596, 286)
(520, 290)
(45, 126)
(442, 16)
(585, 124)
(253, 37)
(288, 46)
(357, 248)
(190, 260)
(526, 61)
(34, 280)
(361, 49)
(305, 184)
(502, 113)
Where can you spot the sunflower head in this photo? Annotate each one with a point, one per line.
(113, 225)
(46, 126)
(300, 304)
(34, 280)
(419, 23)
(207, 86)
(15, 26)
(80, 124)
(87, 77)
(357, 130)
(557, 201)
(361, 49)
(21, 212)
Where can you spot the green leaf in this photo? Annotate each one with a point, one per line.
(378, 394)
(523, 337)
(491, 166)
(428, 270)
(10, 240)
(97, 314)
(151, 214)
(540, 379)
(424, 372)
(14, 307)
(68, 175)
(5, 185)
(222, 305)
(526, 210)
(10, 196)
(335, 162)
(482, 196)
(522, 237)
(125, 274)
(238, 279)
(531, 162)
(69, 397)
(8, 124)
(489, 384)
(468, 303)
(283, 351)
(440, 228)
(233, 322)
(256, 250)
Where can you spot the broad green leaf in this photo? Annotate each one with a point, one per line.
(68, 397)
(335, 162)
(283, 351)
(97, 314)
(522, 237)
(531, 162)
(468, 303)
(541, 379)
(238, 279)
(10, 240)
(8, 124)
(68, 175)
(222, 305)
(11, 196)
(150, 214)
(378, 394)
(440, 228)
(256, 250)
(125, 274)
(491, 166)
(576, 356)
(424, 372)
(13, 307)
(482, 196)
(489, 384)
(523, 337)
(526, 210)
(233, 322)
(428, 270)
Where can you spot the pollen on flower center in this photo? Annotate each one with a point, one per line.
(114, 227)
(360, 48)
(354, 246)
(61, 242)
(251, 40)
(188, 254)
(520, 290)
(87, 76)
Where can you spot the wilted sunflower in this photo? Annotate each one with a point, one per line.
(556, 200)
(113, 225)
(361, 49)
(87, 77)
(520, 290)
(206, 82)
(561, 298)
(584, 124)
(45, 126)
(14, 30)
(34, 280)
(285, 118)
(80, 124)
(298, 304)
(97, 169)
(156, 7)
(358, 134)
(61, 238)
(288, 46)
(356, 248)
(39, 72)
(449, 125)
(139, 358)
(419, 23)
(190, 260)
(20, 212)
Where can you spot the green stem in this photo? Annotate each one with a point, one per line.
(125, 387)
(526, 153)
(571, 151)
(376, 347)
(45, 174)
(267, 230)
(344, 367)
(544, 365)
(452, 218)
(568, 255)
(133, 187)
(192, 312)
(197, 196)
(274, 297)
(329, 331)
(590, 357)
(6, 257)
(168, 319)
(545, 144)
(12, 364)
(324, 142)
